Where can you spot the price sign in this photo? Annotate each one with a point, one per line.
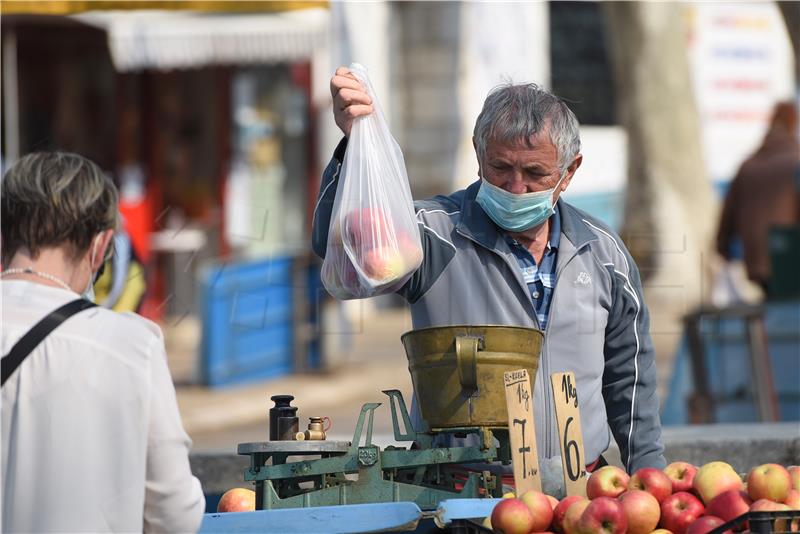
(522, 431)
(570, 435)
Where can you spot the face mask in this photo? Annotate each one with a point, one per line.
(88, 293)
(516, 213)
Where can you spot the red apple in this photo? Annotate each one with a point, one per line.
(368, 228)
(604, 515)
(237, 500)
(642, 511)
(410, 250)
(793, 503)
(339, 275)
(608, 481)
(661, 531)
(766, 505)
(681, 474)
(705, 524)
(383, 264)
(679, 510)
(512, 516)
(768, 481)
(729, 505)
(794, 474)
(792, 500)
(553, 501)
(540, 507)
(573, 515)
(561, 510)
(653, 481)
(714, 478)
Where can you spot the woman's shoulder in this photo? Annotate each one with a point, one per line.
(125, 331)
(140, 326)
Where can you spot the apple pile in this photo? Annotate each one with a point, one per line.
(381, 251)
(681, 499)
(237, 500)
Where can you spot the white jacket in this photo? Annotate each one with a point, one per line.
(92, 439)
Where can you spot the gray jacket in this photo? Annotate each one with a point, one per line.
(598, 324)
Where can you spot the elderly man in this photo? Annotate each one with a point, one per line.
(507, 251)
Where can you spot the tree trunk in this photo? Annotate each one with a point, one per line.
(791, 15)
(671, 211)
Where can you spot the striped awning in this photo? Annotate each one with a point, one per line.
(177, 40)
(70, 7)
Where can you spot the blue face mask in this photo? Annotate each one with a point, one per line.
(516, 213)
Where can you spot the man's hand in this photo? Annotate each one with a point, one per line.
(350, 99)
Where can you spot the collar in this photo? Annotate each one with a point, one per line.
(475, 224)
(555, 228)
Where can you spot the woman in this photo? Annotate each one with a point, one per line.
(91, 435)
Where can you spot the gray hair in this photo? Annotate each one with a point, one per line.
(518, 112)
(55, 199)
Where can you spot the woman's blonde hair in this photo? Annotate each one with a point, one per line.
(55, 199)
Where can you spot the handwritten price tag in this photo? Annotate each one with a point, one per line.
(522, 431)
(569, 432)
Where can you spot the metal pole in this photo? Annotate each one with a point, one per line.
(764, 388)
(701, 402)
(11, 97)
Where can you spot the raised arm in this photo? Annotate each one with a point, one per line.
(350, 100)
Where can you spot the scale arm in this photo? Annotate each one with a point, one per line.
(399, 459)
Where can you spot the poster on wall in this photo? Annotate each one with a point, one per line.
(741, 62)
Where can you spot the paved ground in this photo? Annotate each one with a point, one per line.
(218, 419)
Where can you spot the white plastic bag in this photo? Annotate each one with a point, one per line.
(373, 240)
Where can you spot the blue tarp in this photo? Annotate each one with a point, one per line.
(729, 368)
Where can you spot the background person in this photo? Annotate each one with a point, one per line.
(508, 251)
(92, 439)
(764, 193)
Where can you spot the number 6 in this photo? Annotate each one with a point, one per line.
(567, 445)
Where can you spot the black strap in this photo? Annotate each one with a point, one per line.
(35, 335)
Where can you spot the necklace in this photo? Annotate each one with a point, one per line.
(28, 270)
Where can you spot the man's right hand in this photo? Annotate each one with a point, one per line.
(350, 99)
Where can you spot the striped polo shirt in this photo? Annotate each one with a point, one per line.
(541, 279)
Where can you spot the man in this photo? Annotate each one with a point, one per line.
(506, 250)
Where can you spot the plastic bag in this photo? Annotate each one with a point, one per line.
(373, 241)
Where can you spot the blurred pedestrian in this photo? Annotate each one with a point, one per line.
(764, 193)
(92, 439)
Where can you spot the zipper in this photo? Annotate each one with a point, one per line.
(545, 361)
(515, 268)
